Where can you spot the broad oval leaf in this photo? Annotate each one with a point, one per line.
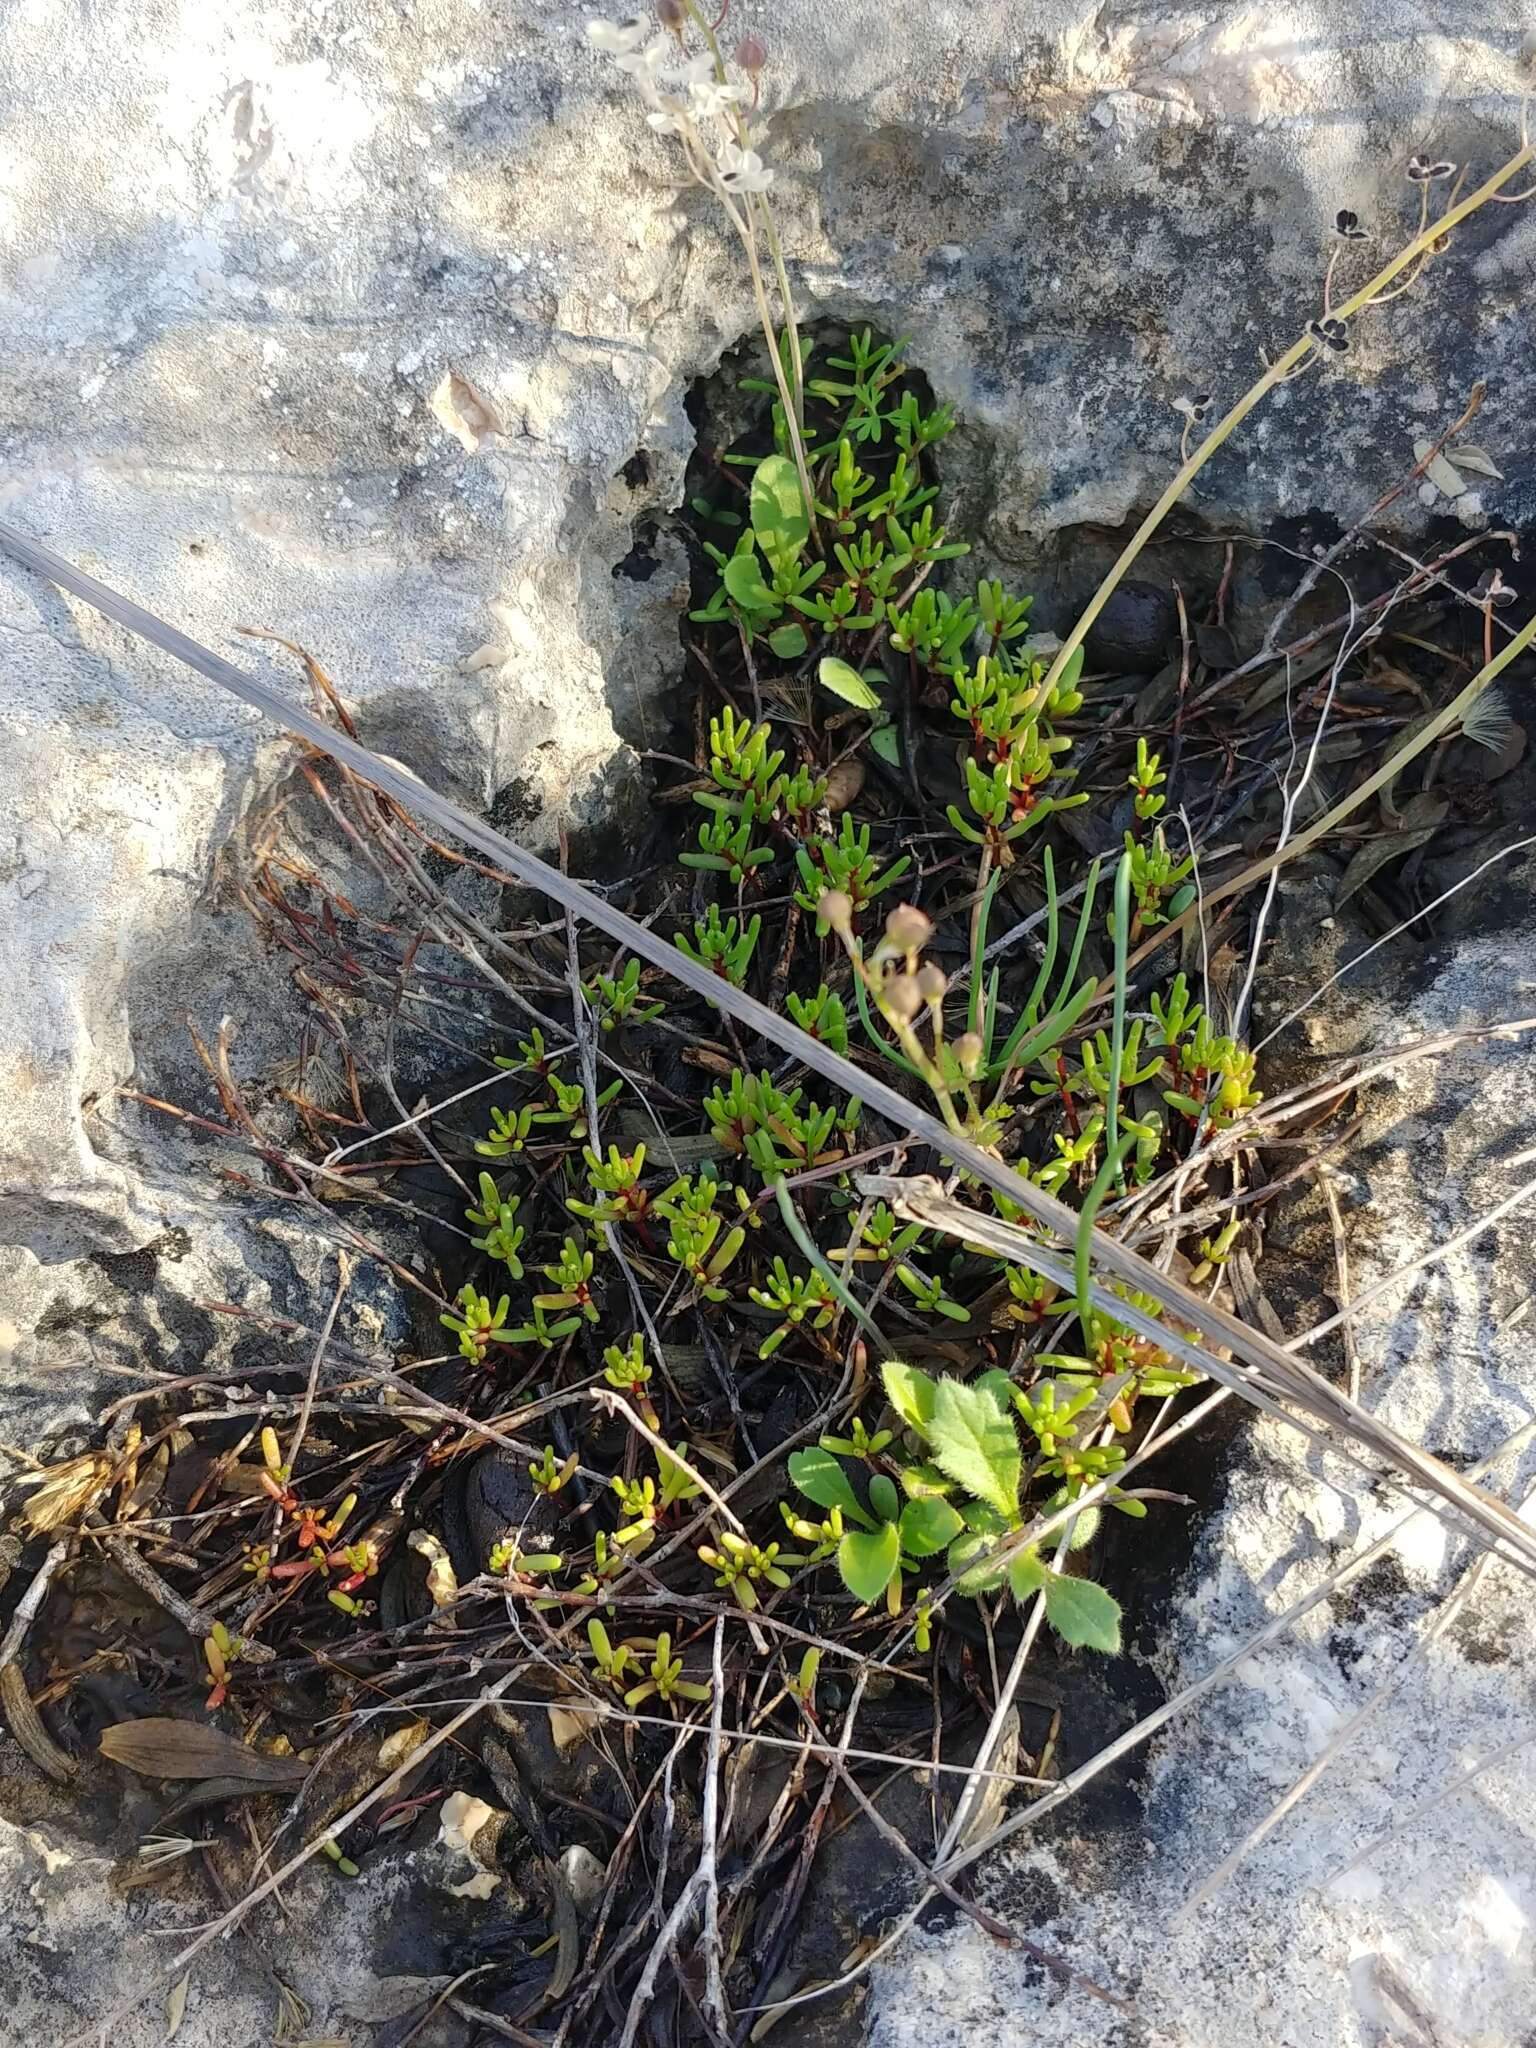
(743, 578)
(884, 1498)
(1086, 1527)
(778, 509)
(847, 683)
(867, 1560)
(1478, 460)
(885, 743)
(999, 1386)
(910, 1393)
(788, 642)
(822, 1479)
(977, 1445)
(928, 1526)
(1082, 1613)
(1444, 475)
(1026, 1575)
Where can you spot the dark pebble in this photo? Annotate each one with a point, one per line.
(1136, 631)
(494, 1501)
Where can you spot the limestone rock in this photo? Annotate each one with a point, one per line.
(374, 326)
(375, 329)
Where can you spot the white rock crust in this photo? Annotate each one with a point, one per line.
(343, 319)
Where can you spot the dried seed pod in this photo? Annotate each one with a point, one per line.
(968, 1051)
(902, 996)
(835, 909)
(908, 929)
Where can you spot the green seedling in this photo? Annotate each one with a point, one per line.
(725, 946)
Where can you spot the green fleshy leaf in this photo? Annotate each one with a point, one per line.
(779, 517)
(883, 1498)
(911, 1393)
(847, 683)
(788, 642)
(1082, 1613)
(1067, 680)
(927, 1527)
(822, 1479)
(743, 578)
(976, 1444)
(867, 1560)
(885, 743)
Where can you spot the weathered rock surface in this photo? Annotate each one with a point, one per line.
(374, 326)
(351, 323)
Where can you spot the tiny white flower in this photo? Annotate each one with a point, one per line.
(643, 65)
(709, 98)
(618, 38)
(742, 170)
(708, 95)
(667, 120)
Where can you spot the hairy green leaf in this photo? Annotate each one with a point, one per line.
(962, 1553)
(1026, 1575)
(847, 683)
(910, 1393)
(999, 1386)
(927, 1526)
(1084, 1529)
(976, 1444)
(1082, 1613)
(867, 1559)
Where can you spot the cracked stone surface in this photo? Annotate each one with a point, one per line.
(347, 320)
